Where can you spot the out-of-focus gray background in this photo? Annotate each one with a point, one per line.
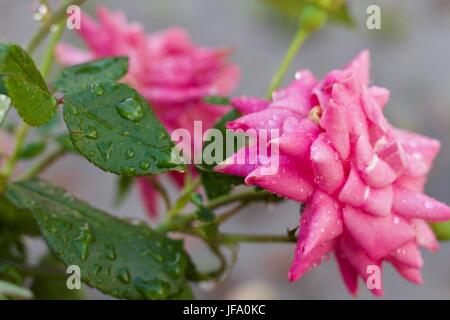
(411, 57)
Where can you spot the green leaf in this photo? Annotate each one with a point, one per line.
(5, 105)
(208, 227)
(217, 100)
(16, 220)
(12, 252)
(50, 287)
(32, 150)
(83, 75)
(218, 184)
(186, 294)
(120, 259)
(10, 273)
(26, 86)
(124, 184)
(203, 213)
(12, 248)
(11, 290)
(2, 87)
(441, 230)
(113, 127)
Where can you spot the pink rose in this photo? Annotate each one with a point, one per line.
(361, 180)
(171, 72)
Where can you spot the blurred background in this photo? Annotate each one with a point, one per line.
(410, 56)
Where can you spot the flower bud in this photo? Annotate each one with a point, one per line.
(312, 18)
(329, 5)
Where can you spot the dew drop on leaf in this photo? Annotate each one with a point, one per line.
(130, 109)
(40, 12)
(83, 241)
(125, 133)
(97, 89)
(105, 149)
(110, 252)
(124, 275)
(174, 271)
(97, 269)
(144, 165)
(91, 133)
(152, 288)
(128, 170)
(129, 154)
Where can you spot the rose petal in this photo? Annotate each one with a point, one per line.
(378, 236)
(321, 221)
(327, 166)
(411, 204)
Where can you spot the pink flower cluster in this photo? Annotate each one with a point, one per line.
(361, 180)
(171, 72)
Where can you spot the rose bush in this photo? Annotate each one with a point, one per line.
(358, 180)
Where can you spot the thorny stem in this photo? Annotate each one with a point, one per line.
(237, 237)
(182, 221)
(251, 195)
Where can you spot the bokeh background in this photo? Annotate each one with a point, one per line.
(410, 56)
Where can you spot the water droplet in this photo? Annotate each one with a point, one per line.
(128, 170)
(152, 288)
(83, 241)
(125, 132)
(40, 12)
(97, 89)
(429, 205)
(105, 149)
(110, 252)
(97, 269)
(174, 271)
(129, 154)
(91, 133)
(124, 275)
(53, 28)
(144, 165)
(130, 109)
(152, 254)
